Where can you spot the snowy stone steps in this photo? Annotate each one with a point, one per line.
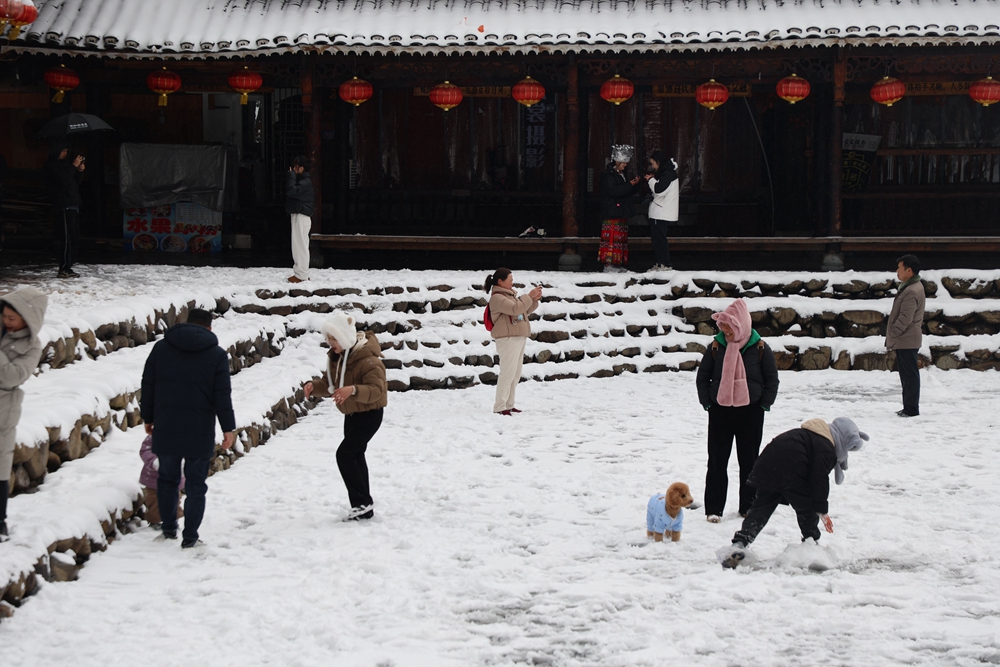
(82, 508)
(69, 411)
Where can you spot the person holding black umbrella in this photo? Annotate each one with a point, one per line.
(65, 175)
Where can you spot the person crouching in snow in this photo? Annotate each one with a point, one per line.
(20, 350)
(794, 469)
(148, 478)
(355, 378)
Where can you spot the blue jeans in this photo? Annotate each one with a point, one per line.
(195, 488)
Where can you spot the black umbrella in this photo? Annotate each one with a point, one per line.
(72, 123)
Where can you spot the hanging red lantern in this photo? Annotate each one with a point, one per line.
(888, 91)
(163, 82)
(356, 91)
(244, 82)
(528, 92)
(446, 95)
(62, 80)
(9, 9)
(792, 89)
(617, 90)
(711, 95)
(985, 91)
(27, 16)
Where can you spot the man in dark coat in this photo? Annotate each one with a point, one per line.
(903, 332)
(794, 469)
(64, 176)
(185, 388)
(299, 205)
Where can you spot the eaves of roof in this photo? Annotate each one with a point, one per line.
(169, 29)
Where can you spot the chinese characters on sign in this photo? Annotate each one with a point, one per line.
(687, 90)
(534, 136)
(858, 160)
(181, 227)
(938, 88)
(469, 91)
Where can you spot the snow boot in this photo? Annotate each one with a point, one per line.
(360, 513)
(734, 555)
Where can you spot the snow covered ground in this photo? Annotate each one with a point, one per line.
(520, 541)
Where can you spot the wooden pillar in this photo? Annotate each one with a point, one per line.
(571, 153)
(312, 108)
(836, 140)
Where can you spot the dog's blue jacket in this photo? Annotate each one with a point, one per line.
(657, 519)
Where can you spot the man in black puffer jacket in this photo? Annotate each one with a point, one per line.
(794, 469)
(185, 388)
(65, 175)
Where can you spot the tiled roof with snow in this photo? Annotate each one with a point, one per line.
(133, 28)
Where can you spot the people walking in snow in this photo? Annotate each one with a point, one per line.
(148, 477)
(616, 208)
(23, 314)
(903, 332)
(737, 383)
(511, 329)
(794, 469)
(65, 175)
(664, 209)
(185, 388)
(355, 378)
(299, 204)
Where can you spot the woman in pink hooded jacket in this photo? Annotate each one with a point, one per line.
(737, 383)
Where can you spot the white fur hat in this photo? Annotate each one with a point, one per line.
(622, 153)
(341, 328)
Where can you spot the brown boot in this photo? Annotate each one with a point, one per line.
(294, 279)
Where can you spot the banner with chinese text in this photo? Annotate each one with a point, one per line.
(180, 227)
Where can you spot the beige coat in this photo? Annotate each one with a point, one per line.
(906, 319)
(510, 313)
(20, 352)
(364, 370)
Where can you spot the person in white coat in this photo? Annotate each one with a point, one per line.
(509, 313)
(663, 210)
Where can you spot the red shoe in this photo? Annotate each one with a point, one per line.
(515, 410)
(504, 412)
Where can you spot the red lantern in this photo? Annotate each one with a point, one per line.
(9, 9)
(163, 82)
(617, 90)
(888, 91)
(528, 92)
(244, 82)
(711, 94)
(27, 16)
(62, 80)
(985, 91)
(446, 95)
(356, 91)
(792, 89)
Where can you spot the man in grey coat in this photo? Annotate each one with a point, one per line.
(20, 350)
(903, 332)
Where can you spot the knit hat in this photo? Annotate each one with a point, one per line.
(846, 438)
(341, 328)
(622, 153)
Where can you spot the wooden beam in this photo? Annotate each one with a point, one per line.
(571, 152)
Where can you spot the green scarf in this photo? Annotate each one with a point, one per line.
(754, 337)
(902, 286)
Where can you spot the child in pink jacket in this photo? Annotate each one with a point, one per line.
(150, 473)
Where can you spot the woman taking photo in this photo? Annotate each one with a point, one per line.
(509, 314)
(355, 378)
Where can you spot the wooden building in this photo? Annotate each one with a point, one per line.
(756, 166)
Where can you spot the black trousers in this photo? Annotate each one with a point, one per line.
(4, 493)
(195, 488)
(909, 377)
(746, 425)
(67, 228)
(661, 243)
(359, 429)
(763, 507)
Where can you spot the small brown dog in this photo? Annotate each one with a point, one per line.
(665, 512)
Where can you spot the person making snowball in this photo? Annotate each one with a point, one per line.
(794, 469)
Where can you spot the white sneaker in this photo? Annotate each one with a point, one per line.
(714, 518)
(360, 512)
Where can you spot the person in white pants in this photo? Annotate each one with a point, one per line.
(299, 204)
(509, 314)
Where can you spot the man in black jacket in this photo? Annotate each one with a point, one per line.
(299, 204)
(185, 388)
(794, 469)
(64, 176)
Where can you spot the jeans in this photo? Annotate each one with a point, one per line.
(746, 425)
(359, 429)
(195, 472)
(909, 377)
